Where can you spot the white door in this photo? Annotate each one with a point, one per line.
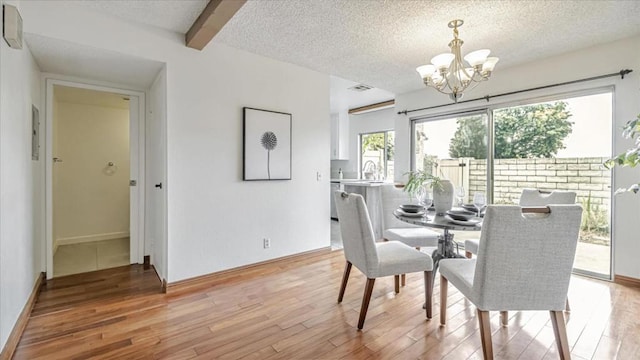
(156, 178)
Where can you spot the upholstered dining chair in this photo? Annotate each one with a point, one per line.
(375, 259)
(536, 280)
(396, 230)
(529, 197)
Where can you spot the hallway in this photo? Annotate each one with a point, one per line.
(90, 256)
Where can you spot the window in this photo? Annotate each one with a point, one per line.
(376, 155)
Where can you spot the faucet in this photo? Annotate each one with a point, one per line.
(370, 167)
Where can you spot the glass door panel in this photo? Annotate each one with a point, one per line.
(454, 148)
(561, 145)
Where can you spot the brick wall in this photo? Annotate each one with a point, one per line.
(585, 176)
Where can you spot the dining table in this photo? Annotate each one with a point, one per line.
(447, 248)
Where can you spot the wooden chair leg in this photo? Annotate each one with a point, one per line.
(444, 285)
(396, 283)
(560, 332)
(504, 318)
(468, 254)
(345, 278)
(404, 279)
(365, 302)
(567, 308)
(485, 334)
(428, 293)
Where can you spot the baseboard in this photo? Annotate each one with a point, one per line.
(626, 280)
(208, 279)
(23, 319)
(90, 238)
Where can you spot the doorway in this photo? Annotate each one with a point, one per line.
(93, 212)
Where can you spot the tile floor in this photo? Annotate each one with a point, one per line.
(91, 256)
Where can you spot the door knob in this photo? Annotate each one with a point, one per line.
(159, 186)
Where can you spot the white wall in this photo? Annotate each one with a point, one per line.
(381, 120)
(572, 66)
(215, 220)
(90, 198)
(20, 184)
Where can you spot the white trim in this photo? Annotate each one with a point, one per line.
(136, 242)
(91, 238)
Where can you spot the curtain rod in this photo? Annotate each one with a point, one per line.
(621, 73)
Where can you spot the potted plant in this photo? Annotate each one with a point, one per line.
(631, 157)
(442, 188)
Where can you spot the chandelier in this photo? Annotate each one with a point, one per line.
(448, 74)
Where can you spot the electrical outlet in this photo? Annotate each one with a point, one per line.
(266, 242)
(318, 176)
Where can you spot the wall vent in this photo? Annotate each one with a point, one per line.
(361, 87)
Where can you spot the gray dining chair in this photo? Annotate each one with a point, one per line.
(396, 230)
(529, 197)
(536, 280)
(375, 259)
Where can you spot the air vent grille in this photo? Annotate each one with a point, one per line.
(361, 87)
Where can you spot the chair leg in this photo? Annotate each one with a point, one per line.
(468, 254)
(504, 318)
(567, 308)
(485, 334)
(396, 283)
(365, 302)
(345, 278)
(560, 332)
(444, 285)
(428, 293)
(404, 279)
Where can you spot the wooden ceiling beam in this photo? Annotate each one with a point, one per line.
(212, 19)
(372, 107)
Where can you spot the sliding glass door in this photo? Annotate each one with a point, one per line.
(559, 144)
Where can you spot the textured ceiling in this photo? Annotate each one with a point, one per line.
(380, 43)
(172, 15)
(66, 58)
(374, 42)
(342, 98)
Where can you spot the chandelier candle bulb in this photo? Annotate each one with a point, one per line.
(447, 72)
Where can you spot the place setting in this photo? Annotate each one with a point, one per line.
(460, 216)
(411, 210)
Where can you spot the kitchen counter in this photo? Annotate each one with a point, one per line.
(359, 182)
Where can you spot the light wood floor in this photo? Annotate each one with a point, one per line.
(288, 310)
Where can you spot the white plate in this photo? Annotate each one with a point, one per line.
(471, 222)
(417, 214)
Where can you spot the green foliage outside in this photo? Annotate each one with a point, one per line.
(533, 131)
(630, 157)
(595, 222)
(375, 142)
